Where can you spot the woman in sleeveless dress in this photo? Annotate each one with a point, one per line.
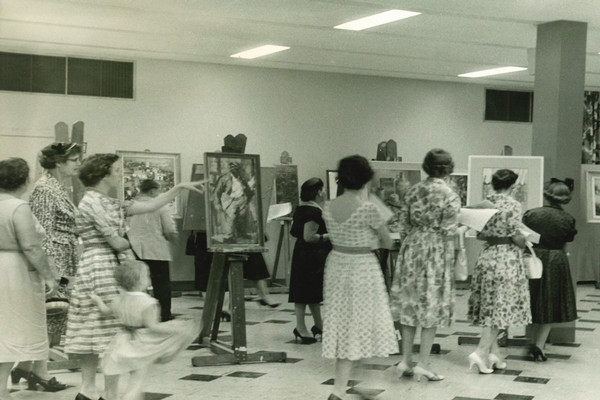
(357, 322)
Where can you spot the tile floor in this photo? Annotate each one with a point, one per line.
(570, 373)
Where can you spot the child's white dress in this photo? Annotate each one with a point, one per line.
(135, 346)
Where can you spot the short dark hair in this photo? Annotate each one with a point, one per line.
(95, 167)
(438, 163)
(310, 189)
(58, 152)
(13, 173)
(129, 274)
(354, 172)
(148, 184)
(503, 179)
(557, 192)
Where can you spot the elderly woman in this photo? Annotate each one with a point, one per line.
(101, 224)
(357, 322)
(24, 267)
(499, 286)
(423, 288)
(552, 296)
(52, 206)
(308, 261)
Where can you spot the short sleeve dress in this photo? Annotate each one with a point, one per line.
(99, 218)
(552, 296)
(357, 322)
(136, 347)
(422, 292)
(308, 259)
(499, 286)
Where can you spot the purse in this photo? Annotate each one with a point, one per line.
(533, 265)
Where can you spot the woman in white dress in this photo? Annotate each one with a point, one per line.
(357, 321)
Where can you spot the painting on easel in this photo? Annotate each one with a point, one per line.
(233, 203)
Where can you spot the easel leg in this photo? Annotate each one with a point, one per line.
(238, 311)
(215, 286)
(278, 253)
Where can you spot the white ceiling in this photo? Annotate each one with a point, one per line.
(449, 38)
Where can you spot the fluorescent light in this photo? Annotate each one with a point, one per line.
(377, 19)
(493, 71)
(259, 51)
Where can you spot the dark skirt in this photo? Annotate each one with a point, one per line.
(306, 279)
(553, 296)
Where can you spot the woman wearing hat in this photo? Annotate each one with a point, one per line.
(552, 296)
(308, 261)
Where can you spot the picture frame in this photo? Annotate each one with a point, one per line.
(286, 184)
(528, 189)
(136, 166)
(591, 177)
(332, 186)
(233, 202)
(394, 178)
(459, 182)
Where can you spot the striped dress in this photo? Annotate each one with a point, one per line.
(99, 218)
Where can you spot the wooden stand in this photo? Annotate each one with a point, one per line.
(225, 264)
(284, 230)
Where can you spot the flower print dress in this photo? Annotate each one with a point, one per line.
(422, 292)
(99, 218)
(499, 287)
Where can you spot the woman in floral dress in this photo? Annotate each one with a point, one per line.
(499, 287)
(422, 293)
(357, 322)
(101, 225)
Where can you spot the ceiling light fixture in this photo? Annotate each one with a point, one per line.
(493, 71)
(259, 51)
(377, 19)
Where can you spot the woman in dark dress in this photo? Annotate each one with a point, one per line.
(552, 296)
(308, 261)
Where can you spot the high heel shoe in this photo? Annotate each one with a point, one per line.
(316, 331)
(474, 359)
(16, 375)
(431, 376)
(263, 302)
(495, 362)
(537, 353)
(333, 397)
(49, 385)
(225, 316)
(303, 339)
(403, 369)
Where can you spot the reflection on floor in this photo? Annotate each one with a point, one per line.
(570, 373)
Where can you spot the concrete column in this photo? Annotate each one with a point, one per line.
(558, 121)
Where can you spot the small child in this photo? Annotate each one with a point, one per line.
(142, 339)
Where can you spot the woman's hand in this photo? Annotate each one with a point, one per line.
(51, 287)
(519, 240)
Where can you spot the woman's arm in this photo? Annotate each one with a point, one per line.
(141, 207)
(310, 234)
(385, 241)
(43, 207)
(104, 309)
(31, 245)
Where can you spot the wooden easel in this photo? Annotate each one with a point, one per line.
(284, 230)
(224, 264)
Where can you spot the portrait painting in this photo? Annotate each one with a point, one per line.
(233, 202)
(528, 188)
(137, 166)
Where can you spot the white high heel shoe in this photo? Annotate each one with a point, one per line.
(495, 362)
(430, 376)
(474, 359)
(403, 369)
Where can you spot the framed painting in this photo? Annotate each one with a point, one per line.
(528, 189)
(137, 166)
(592, 192)
(391, 179)
(233, 202)
(194, 215)
(459, 182)
(286, 184)
(332, 186)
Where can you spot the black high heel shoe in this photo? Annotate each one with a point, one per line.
(537, 353)
(49, 385)
(316, 331)
(225, 316)
(303, 339)
(16, 375)
(263, 302)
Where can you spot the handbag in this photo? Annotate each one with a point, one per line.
(533, 265)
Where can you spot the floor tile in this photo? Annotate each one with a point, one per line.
(531, 379)
(200, 377)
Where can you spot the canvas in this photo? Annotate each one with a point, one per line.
(233, 202)
(591, 177)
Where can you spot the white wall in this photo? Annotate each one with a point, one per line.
(318, 118)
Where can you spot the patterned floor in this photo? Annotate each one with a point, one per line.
(570, 373)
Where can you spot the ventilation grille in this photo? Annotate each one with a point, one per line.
(508, 105)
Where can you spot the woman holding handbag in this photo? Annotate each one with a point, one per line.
(552, 296)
